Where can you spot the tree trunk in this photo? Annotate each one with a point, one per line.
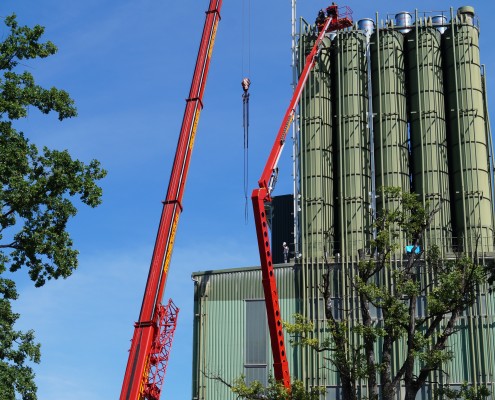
(369, 342)
(388, 388)
(411, 332)
(388, 391)
(412, 390)
(348, 388)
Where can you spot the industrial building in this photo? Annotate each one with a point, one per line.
(401, 103)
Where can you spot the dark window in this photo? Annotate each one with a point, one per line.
(333, 393)
(420, 306)
(255, 359)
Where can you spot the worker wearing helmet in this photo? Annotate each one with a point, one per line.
(320, 19)
(286, 252)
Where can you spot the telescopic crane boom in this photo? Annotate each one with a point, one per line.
(262, 195)
(136, 385)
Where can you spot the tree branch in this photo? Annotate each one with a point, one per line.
(12, 245)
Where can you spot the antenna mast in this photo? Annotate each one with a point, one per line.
(295, 136)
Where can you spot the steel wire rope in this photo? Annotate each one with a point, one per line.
(246, 72)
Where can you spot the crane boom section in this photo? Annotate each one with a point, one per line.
(262, 195)
(146, 328)
(278, 145)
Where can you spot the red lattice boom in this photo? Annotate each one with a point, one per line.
(160, 351)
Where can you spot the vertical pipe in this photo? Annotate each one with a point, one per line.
(491, 162)
(304, 249)
(295, 144)
(371, 138)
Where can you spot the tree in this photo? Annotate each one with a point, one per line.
(274, 391)
(451, 288)
(37, 198)
(466, 392)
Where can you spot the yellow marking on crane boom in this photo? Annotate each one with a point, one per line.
(194, 128)
(213, 35)
(144, 379)
(166, 262)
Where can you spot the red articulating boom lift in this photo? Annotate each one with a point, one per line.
(149, 342)
(262, 195)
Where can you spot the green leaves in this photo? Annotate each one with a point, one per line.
(457, 285)
(23, 43)
(19, 92)
(274, 391)
(39, 192)
(35, 195)
(466, 392)
(16, 349)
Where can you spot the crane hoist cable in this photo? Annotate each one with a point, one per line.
(245, 123)
(246, 38)
(246, 71)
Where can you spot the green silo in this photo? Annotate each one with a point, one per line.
(390, 117)
(430, 174)
(316, 155)
(467, 135)
(353, 141)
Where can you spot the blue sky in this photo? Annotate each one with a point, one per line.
(128, 65)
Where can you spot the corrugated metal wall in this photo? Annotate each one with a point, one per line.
(222, 320)
(230, 325)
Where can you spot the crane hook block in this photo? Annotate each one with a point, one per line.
(245, 84)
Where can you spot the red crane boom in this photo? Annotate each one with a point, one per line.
(146, 329)
(262, 195)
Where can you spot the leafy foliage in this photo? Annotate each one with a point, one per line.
(37, 195)
(274, 391)
(15, 348)
(466, 392)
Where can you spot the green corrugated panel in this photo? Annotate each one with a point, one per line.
(472, 345)
(316, 154)
(353, 147)
(428, 130)
(220, 325)
(390, 120)
(469, 165)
